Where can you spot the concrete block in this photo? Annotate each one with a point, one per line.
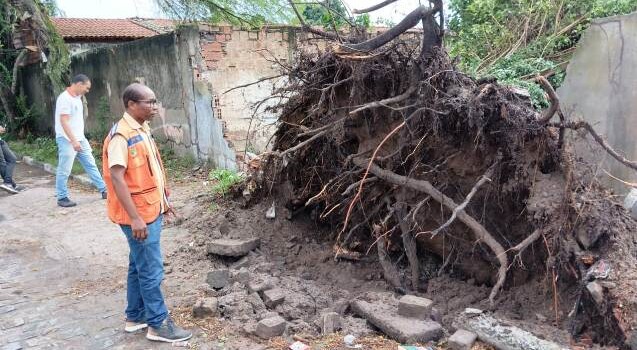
(402, 329)
(205, 307)
(259, 286)
(330, 323)
(462, 340)
(415, 307)
(271, 327)
(232, 247)
(273, 297)
(218, 278)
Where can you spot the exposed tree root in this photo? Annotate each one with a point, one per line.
(399, 143)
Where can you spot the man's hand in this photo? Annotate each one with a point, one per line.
(2, 130)
(76, 146)
(172, 217)
(140, 231)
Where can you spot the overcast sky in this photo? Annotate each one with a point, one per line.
(147, 8)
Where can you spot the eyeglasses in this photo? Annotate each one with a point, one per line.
(149, 102)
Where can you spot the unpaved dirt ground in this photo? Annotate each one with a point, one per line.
(62, 281)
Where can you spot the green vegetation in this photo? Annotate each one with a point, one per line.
(514, 40)
(43, 149)
(176, 166)
(252, 13)
(330, 14)
(14, 110)
(225, 179)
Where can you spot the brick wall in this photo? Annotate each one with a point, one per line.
(235, 56)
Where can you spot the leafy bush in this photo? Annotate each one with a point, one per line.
(225, 179)
(515, 40)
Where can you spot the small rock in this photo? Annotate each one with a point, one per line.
(168, 270)
(330, 323)
(241, 276)
(540, 317)
(271, 327)
(205, 307)
(273, 297)
(596, 291)
(462, 340)
(218, 278)
(271, 212)
(259, 286)
(267, 314)
(243, 262)
(436, 315)
(414, 307)
(233, 247)
(472, 311)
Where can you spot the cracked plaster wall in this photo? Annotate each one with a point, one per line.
(601, 88)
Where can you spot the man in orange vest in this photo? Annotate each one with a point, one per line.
(133, 171)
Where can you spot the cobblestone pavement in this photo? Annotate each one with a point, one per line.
(62, 271)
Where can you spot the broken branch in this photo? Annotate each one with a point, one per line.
(373, 8)
(486, 177)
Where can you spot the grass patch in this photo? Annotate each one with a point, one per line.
(44, 149)
(224, 179)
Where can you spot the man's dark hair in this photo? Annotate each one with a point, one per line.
(132, 92)
(80, 78)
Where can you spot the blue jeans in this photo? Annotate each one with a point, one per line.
(145, 273)
(66, 156)
(7, 163)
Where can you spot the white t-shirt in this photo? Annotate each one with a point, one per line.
(67, 104)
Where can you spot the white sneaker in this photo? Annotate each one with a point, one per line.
(9, 188)
(131, 326)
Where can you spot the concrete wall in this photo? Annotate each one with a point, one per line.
(236, 56)
(600, 87)
(165, 63)
(38, 90)
(79, 47)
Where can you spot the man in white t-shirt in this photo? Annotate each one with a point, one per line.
(69, 135)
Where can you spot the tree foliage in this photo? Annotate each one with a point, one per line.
(514, 40)
(252, 12)
(29, 18)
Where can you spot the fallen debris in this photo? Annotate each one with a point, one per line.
(205, 307)
(462, 340)
(415, 307)
(406, 330)
(271, 327)
(232, 247)
(503, 337)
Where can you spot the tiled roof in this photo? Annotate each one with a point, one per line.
(110, 29)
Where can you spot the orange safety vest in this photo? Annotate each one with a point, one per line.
(139, 177)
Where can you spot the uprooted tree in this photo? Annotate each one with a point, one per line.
(402, 154)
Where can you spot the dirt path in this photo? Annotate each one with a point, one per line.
(62, 271)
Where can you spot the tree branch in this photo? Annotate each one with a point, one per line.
(582, 124)
(486, 177)
(373, 8)
(408, 22)
(555, 101)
